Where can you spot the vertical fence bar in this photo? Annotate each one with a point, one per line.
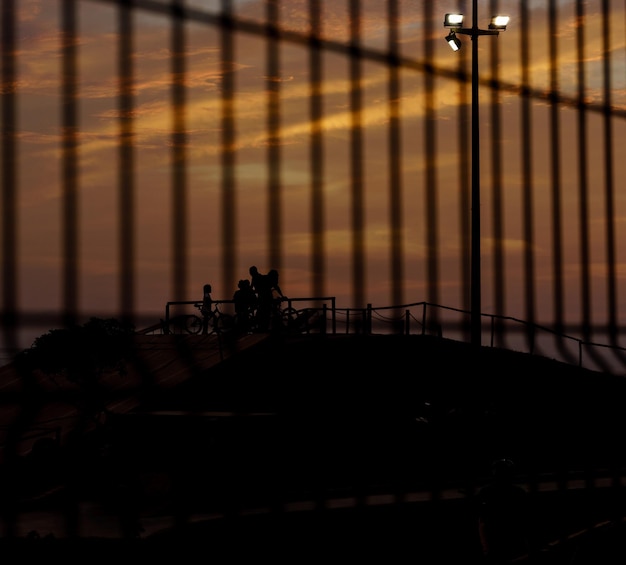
(10, 318)
(558, 296)
(69, 127)
(583, 191)
(318, 241)
(356, 154)
(274, 188)
(464, 186)
(527, 168)
(126, 154)
(179, 151)
(396, 223)
(609, 171)
(430, 161)
(228, 214)
(10, 300)
(497, 207)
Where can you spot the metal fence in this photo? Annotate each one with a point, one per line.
(150, 146)
(360, 147)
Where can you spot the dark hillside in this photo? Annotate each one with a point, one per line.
(316, 421)
(545, 413)
(357, 414)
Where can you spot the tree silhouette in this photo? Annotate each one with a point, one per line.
(82, 354)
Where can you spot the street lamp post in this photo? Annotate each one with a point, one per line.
(455, 23)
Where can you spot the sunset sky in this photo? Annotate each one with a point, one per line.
(39, 174)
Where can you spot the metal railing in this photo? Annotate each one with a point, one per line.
(435, 319)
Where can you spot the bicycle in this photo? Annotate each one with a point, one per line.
(287, 316)
(275, 318)
(219, 322)
(305, 320)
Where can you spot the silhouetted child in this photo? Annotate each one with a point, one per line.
(207, 308)
(245, 304)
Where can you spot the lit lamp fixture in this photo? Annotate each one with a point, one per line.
(454, 22)
(453, 41)
(499, 22)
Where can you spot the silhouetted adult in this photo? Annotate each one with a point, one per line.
(262, 286)
(504, 521)
(207, 307)
(269, 296)
(255, 278)
(245, 304)
(277, 298)
(272, 279)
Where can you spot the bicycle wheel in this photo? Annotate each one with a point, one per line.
(289, 317)
(193, 324)
(224, 323)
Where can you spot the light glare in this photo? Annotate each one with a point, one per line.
(499, 22)
(453, 20)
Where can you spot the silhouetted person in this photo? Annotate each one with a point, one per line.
(504, 521)
(272, 279)
(263, 289)
(277, 297)
(245, 304)
(207, 308)
(255, 278)
(269, 296)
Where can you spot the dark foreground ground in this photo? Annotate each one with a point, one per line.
(573, 526)
(400, 430)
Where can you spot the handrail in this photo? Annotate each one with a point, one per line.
(290, 301)
(361, 320)
(166, 321)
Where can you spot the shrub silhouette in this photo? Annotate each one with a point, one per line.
(82, 354)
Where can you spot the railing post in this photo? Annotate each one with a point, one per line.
(424, 319)
(407, 322)
(368, 320)
(580, 353)
(166, 329)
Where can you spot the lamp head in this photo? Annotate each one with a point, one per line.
(453, 20)
(453, 41)
(499, 22)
